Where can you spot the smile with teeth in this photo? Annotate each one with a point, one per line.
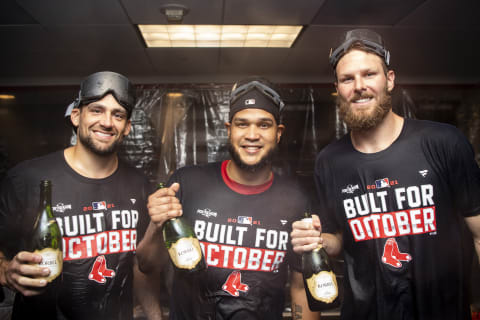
(363, 100)
(104, 134)
(251, 149)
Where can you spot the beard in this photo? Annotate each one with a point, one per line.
(251, 168)
(88, 142)
(364, 120)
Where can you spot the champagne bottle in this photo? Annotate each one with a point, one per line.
(182, 244)
(319, 279)
(46, 238)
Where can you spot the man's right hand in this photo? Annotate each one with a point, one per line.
(306, 236)
(164, 205)
(22, 275)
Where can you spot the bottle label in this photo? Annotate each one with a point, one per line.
(186, 253)
(51, 259)
(323, 286)
(308, 220)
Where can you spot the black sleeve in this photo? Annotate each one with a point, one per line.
(465, 177)
(449, 152)
(303, 204)
(11, 209)
(144, 217)
(325, 201)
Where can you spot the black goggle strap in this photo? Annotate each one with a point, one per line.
(267, 91)
(335, 55)
(120, 98)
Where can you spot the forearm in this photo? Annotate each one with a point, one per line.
(473, 224)
(300, 309)
(332, 243)
(3, 270)
(147, 293)
(151, 252)
(477, 249)
(476, 242)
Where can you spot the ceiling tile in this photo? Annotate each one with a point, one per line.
(445, 13)
(65, 12)
(299, 12)
(361, 12)
(91, 38)
(12, 13)
(17, 38)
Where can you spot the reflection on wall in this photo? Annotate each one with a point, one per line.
(175, 128)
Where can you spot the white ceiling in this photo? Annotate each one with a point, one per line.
(59, 42)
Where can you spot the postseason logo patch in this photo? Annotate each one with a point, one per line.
(350, 188)
(60, 207)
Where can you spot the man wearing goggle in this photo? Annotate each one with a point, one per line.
(395, 195)
(100, 206)
(267, 92)
(245, 234)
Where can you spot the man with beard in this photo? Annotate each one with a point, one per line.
(397, 195)
(241, 213)
(100, 206)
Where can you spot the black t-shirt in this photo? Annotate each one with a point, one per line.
(401, 213)
(246, 241)
(101, 222)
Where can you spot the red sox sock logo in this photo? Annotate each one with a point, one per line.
(99, 271)
(392, 256)
(234, 284)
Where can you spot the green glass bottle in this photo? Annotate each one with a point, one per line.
(46, 237)
(319, 279)
(182, 244)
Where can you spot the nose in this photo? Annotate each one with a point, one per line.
(252, 133)
(106, 120)
(359, 84)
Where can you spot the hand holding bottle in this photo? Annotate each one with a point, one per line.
(22, 274)
(318, 276)
(306, 236)
(183, 246)
(30, 272)
(164, 205)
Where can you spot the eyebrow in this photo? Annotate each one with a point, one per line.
(101, 105)
(252, 120)
(362, 70)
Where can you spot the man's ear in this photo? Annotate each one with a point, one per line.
(75, 116)
(280, 130)
(128, 127)
(390, 80)
(228, 125)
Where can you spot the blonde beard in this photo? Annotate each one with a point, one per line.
(364, 120)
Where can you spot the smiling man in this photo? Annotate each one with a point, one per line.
(241, 213)
(100, 206)
(395, 196)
